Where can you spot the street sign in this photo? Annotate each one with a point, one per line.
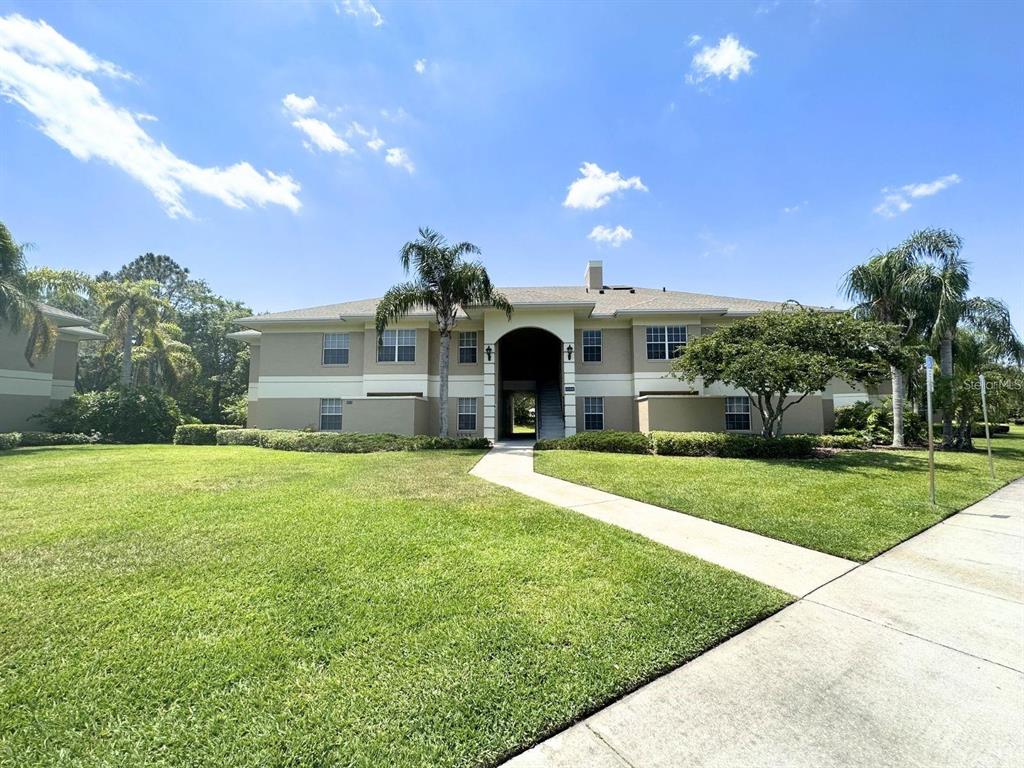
(988, 435)
(929, 367)
(929, 372)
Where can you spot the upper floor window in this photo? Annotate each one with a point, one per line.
(665, 342)
(397, 347)
(467, 346)
(335, 349)
(591, 346)
(330, 414)
(467, 414)
(593, 413)
(737, 413)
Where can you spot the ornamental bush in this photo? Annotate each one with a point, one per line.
(121, 415)
(9, 440)
(343, 442)
(58, 438)
(978, 430)
(605, 441)
(851, 442)
(732, 446)
(200, 434)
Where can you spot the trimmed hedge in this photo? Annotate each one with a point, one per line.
(978, 430)
(200, 434)
(345, 442)
(732, 446)
(605, 441)
(851, 442)
(58, 438)
(9, 440)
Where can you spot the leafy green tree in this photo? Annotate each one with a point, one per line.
(779, 358)
(444, 283)
(889, 288)
(163, 360)
(65, 289)
(174, 282)
(19, 299)
(127, 311)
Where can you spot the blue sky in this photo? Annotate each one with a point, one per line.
(763, 159)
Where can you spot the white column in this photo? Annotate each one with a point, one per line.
(490, 404)
(569, 386)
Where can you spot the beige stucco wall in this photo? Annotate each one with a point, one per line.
(65, 360)
(25, 389)
(808, 416)
(12, 353)
(396, 415)
(433, 425)
(285, 413)
(619, 413)
(640, 361)
(616, 351)
(254, 363)
(16, 410)
(678, 413)
(420, 365)
(301, 354)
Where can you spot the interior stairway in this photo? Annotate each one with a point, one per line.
(550, 419)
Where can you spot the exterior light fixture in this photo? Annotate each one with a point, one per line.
(568, 352)
(488, 351)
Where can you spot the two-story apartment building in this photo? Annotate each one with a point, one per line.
(28, 388)
(595, 356)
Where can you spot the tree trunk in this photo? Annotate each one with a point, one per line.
(126, 355)
(446, 341)
(897, 406)
(946, 370)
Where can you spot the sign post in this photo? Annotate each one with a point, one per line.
(929, 372)
(988, 435)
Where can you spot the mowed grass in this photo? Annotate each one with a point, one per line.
(855, 504)
(230, 606)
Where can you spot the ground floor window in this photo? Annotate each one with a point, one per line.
(593, 413)
(737, 413)
(330, 414)
(467, 414)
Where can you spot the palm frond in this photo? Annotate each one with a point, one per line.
(399, 301)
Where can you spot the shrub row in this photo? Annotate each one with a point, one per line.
(720, 444)
(27, 439)
(978, 430)
(347, 442)
(605, 441)
(200, 434)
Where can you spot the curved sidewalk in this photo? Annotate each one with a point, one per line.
(785, 566)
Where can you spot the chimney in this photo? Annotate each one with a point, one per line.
(593, 278)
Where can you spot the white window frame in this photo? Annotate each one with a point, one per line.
(737, 406)
(330, 407)
(466, 407)
(464, 337)
(599, 345)
(668, 350)
(335, 341)
(593, 406)
(392, 341)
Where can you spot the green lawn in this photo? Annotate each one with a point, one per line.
(228, 606)
(855, 504)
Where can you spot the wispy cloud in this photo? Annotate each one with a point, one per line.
(795, 208)
(766, 7)
(727, 59)
(420, 66)
(359, 8)
(595, 187)
(319, 134)
(613, 237)
(51, 77)
(376, 143)
(894, 201)
(694, 39)
(399, 158)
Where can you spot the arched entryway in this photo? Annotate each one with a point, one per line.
(529, 364)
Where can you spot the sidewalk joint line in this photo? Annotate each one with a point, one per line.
(603, 740)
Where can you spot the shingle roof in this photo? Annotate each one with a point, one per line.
(60, 316)
(609, 302)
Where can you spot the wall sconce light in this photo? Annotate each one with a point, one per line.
(488, 351)
(568, 352)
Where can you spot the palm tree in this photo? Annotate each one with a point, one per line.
(164, 359)
(444, 283)
(947, 282)
(129, 310)
(888, 289)
(19, 299)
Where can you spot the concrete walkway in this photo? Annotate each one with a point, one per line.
(914, 659)
(786, 566)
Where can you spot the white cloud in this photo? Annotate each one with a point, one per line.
(146, 117)
(355, 129)
(929, 188)
(727, 59)
(895, 202)
(48, 75)
(399, 158)
(420, 66)
(613, 237)
(298, 104)
(595, 187)
(376, 143)
(321, 135)
(794, 208)
(694, 39)
(766, 7)
(360, 8)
